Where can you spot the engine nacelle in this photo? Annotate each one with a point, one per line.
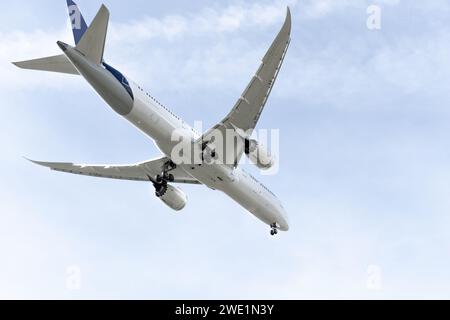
(173, 197)
(259, 155)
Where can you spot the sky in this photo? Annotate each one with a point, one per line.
(364, 154)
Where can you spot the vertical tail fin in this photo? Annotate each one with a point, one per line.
(79, 25)
(89, 41)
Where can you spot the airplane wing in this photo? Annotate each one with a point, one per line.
(248, 109)
(136, 172)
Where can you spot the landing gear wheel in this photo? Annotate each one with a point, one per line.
(274, 229)
(168, 177)
(162, 179)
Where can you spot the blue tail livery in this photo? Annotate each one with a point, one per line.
(79, 25)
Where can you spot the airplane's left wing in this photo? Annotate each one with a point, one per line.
(136, 172)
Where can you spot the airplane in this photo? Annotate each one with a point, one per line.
(157, 122)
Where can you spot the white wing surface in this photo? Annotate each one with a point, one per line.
(136, 172)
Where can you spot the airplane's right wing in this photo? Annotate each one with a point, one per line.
(245, 115)
(247, 111)
(136, 172)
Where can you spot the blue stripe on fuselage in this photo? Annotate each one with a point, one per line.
(120, 77)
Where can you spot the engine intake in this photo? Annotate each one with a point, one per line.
(258, 155)
(172, 196)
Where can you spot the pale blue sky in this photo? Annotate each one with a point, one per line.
(365, 161)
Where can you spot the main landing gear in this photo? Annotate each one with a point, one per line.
(161, 181)
(166, 176)
(273, 229)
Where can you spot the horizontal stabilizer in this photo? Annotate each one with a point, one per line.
(53, 64)
(92, 44)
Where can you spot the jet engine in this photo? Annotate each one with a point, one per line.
(258, 155)
(173, 197)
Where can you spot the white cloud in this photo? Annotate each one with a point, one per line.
(320, 9)
(206, 21)
(18, 46)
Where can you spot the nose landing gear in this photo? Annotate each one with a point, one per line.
(273, 229)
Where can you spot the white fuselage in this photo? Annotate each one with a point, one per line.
(158, 123)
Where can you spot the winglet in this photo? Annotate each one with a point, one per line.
(289, 19)
(39, 163)
(283, 36)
